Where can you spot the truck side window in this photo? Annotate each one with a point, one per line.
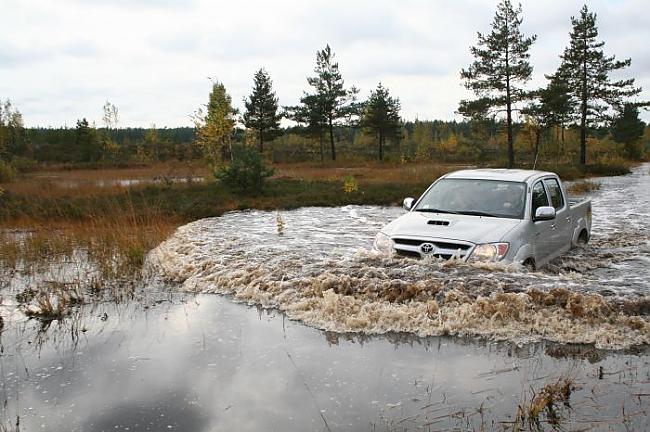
(539, 197)
(556, 193)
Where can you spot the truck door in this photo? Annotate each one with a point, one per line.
(542, 230)
(563, 233)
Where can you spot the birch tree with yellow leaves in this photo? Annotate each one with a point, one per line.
(215, 124)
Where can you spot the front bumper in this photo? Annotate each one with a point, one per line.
(421, 247)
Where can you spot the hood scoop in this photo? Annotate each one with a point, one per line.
(438, 222)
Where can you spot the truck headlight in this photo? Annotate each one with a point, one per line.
(489, 252)
(383, 244)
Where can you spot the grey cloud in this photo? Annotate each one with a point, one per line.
(151, 58)
(176, 42)
(16, 57)
(139, 4)
(80, 49)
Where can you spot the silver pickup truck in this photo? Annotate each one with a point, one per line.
(493, 215)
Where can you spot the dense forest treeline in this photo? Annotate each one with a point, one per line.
(580, 116)
(120, 146)
(447, 141)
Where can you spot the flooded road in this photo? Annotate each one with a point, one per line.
(315, 264)
(314, 332)
(205, 363)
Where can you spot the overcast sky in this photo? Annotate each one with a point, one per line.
(62, 60)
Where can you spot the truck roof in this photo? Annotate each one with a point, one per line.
(503, 174)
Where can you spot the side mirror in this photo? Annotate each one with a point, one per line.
(544, 213)
(408, 203)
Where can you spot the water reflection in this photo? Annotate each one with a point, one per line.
(207, 364)
(77, 183)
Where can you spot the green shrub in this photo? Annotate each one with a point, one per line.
(635, 150)
(246, 172)
(7, 172)
(350, 184)
(23, 165)
(608, 166)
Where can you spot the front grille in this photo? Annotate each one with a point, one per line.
(443, 256)
(438, 244)
(408, 253)
(441, 249)
(413, 254)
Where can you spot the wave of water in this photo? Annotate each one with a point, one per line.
(315, 264)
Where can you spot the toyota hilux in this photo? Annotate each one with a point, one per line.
(490, 215)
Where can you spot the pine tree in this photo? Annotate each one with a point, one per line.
(262, 109)
(628, 129)
(551, 106)
(423, 139)
(556, 102)
(334, 102)
(215, 127)
(88, 146)
(310, 114)
(381, 116)
(585, 69)
(501, 66)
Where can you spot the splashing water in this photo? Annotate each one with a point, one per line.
(321, 271)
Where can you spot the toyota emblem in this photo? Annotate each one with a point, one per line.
(427, 248)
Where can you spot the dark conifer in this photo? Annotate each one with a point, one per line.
(585, 69)
(261, 112)
(310, 114)
(500, 67)
(381, 116)
(628, 129)
(87, 145)
(333, 100)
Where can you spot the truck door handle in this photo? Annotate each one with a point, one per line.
(568, 219)
(553, 226)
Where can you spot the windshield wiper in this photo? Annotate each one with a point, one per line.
(427, 210)
(478, 213)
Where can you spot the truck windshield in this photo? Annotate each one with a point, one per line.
(492, 198)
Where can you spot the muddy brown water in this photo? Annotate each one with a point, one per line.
(313, 332)
(315, 264)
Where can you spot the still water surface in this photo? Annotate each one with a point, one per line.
(207, 364)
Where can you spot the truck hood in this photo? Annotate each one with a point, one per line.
(474, 229)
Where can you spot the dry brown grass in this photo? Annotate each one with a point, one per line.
(92, 182)
(547, 402)
(584, 187)
(54, 303)
(49, 188)
(367, 172)
(70, 262)
(117, 245)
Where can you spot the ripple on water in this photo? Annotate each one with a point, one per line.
(318, 268)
